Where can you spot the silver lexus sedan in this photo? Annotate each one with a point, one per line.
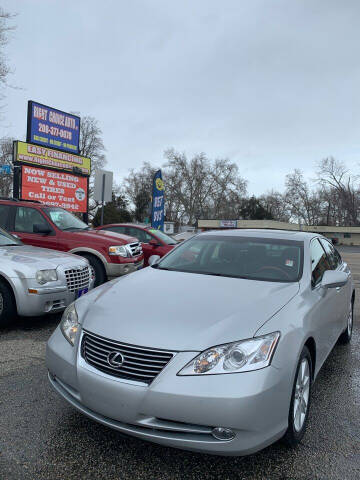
(36, 281)
(213, 348)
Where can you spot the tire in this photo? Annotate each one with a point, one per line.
(7, 305)
(299, 409)
(98, 269)
(345, 337)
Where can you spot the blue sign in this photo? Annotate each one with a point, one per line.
(157, 214)
(5, 169)
(53, 128)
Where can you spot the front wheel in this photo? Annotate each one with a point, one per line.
(97, 269)
(300, 400)
(7, 305)
(345, 337)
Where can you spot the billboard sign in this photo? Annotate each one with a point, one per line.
(53, 128)
(54, 188)
(48, 157)
(157, 214)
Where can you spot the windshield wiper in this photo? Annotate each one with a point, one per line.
(10, 245)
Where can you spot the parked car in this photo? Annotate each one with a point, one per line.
(109, 254)
(36, 281)
(154, 242)
(221, 353)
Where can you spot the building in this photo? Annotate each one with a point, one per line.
(338, 235)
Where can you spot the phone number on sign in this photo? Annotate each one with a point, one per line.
(55, 131)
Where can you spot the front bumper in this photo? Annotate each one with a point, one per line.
(46, 300)
(176, 411)
(114, 270)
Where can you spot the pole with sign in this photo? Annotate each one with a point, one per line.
(157, 214)
(103, 189)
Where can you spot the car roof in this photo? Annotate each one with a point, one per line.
(27, 203)
(264, 233)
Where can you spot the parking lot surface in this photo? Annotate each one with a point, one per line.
(41, 437)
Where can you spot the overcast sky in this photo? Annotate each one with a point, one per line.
(270, 84)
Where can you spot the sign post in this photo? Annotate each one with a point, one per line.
(103, 189)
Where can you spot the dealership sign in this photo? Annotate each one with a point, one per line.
(54, 188)
(228, 223)
(53, 128)
(48, 157)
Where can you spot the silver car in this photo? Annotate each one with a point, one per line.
(36, 281)
(214, 348)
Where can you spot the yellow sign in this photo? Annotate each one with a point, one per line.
(48, 157)
(160, 184)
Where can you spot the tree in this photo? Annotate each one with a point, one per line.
(275, 203)
(115, 211)
(4, 38)
(6, 151)
(303, 203)
(200, 187)
(341, 191)
(253, 210)
(91, 145)
(138, 190)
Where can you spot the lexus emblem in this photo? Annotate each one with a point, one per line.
(115, 359)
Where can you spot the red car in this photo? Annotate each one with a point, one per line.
(154, 242)
(109, 254)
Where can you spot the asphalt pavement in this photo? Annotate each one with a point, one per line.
(41, 437)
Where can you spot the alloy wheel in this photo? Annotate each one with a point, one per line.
(302, 392)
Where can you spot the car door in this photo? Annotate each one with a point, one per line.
(324, 318)
(24, 220)
(344, 293)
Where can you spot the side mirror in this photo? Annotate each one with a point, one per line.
(153, 259)
(40, 228)
(334, 279)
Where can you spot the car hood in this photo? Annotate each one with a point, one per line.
(105, 236)
(181, 311)
(26, 259)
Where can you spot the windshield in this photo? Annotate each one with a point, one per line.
(8, 240)
(163, 237)
(65, 220)
(240, 257)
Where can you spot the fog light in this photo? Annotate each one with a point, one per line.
(222, 433)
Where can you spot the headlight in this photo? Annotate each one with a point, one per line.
(234, 357)
(69, 323)
(45, 276)
(119, 250)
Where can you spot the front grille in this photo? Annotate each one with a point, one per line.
(77, 278)
(135, 249)
(141, 364)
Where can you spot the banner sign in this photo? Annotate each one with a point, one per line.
(50, 127)
(48, 157)
(228, 223)
(5, 170)
(157, 214)
(54, 188)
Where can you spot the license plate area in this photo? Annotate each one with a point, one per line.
(81, 292)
